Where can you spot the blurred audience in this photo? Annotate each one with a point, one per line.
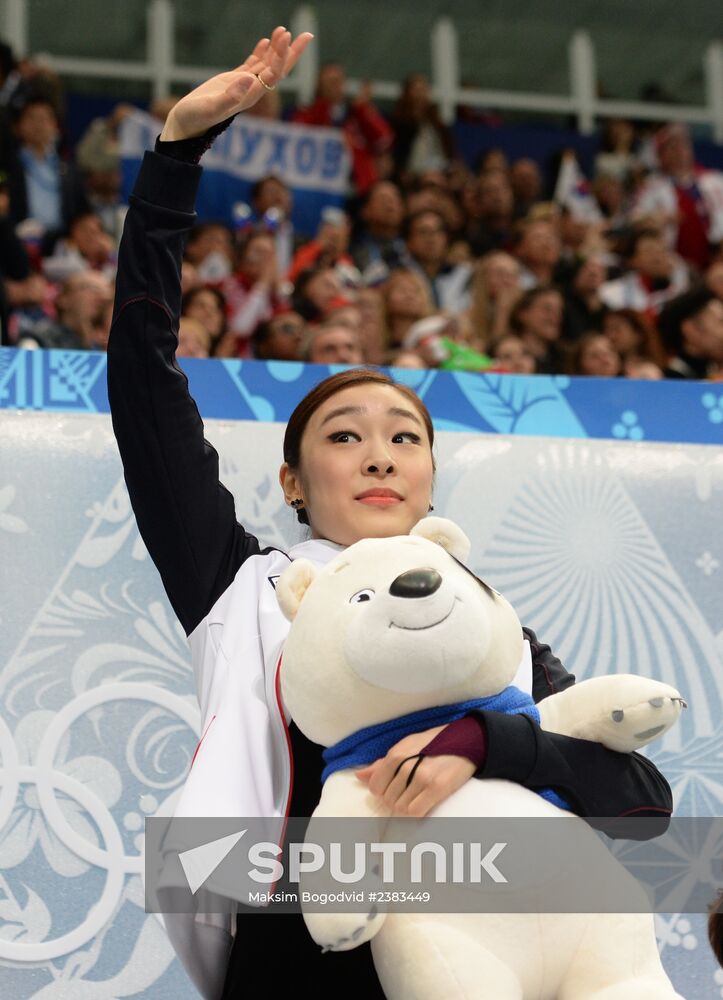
(511, 355)
(253, 290)
(98, 157)
(440, 342)
(714, 278)
(332, 343)
(86, 245)
(210, 249)
(642, 368)
(538, 248)
(537, 318)
(329, 248)
(281, 337)
(427, 243)
(406, 359)
(429, 264)
(206, 305)
(370, 304)
(655, 276)
(81, 307)
(367, 133)
(271, 204)
(316, 291)
(584, 308)
(594, 354)
(495, 290)
(617, 157)
(692, 330)
(526, 180)
(193, 339)
(377, 247)
(422, 141)
(42, 187)
(406, 298)
(494, 222)
(633, 336)
(683, 198)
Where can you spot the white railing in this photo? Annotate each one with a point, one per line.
(161, 70)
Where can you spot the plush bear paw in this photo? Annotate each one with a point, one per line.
(343, 931)
(634, 715)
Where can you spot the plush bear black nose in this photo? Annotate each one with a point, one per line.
(416, 583)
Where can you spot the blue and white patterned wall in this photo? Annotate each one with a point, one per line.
(554, 405)
(610, 549)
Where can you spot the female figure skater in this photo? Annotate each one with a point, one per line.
(357, 463)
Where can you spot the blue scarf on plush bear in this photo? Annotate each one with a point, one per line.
(367, 745)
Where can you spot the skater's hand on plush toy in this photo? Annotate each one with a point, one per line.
(434, 778)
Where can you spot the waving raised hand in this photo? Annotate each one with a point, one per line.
(237, 90)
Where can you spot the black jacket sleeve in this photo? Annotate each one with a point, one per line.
(184, 514)
(597, 782)
(14, 264)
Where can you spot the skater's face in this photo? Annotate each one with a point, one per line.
(366, 468)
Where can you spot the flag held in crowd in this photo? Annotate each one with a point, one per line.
(572, 190)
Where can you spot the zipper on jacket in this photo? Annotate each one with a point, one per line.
(287, 735)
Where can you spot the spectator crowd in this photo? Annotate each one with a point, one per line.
(434, 263)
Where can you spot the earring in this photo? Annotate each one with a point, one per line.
(297, 503)
(430, 508)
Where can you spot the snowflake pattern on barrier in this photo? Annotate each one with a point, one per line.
(627, 427)
(707, 563)
(714, 406)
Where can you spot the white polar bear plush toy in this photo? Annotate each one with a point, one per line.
(394, 626)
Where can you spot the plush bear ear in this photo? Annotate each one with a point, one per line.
(445, 533)
(293, 584)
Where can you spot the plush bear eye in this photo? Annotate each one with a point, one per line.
(361, 595)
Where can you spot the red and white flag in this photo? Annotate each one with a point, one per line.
(572, 190)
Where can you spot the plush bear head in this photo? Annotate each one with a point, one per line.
(392, 626)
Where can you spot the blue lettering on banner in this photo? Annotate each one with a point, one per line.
(277, 159)
(306, 155)
(250, 140)
(331, 160)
